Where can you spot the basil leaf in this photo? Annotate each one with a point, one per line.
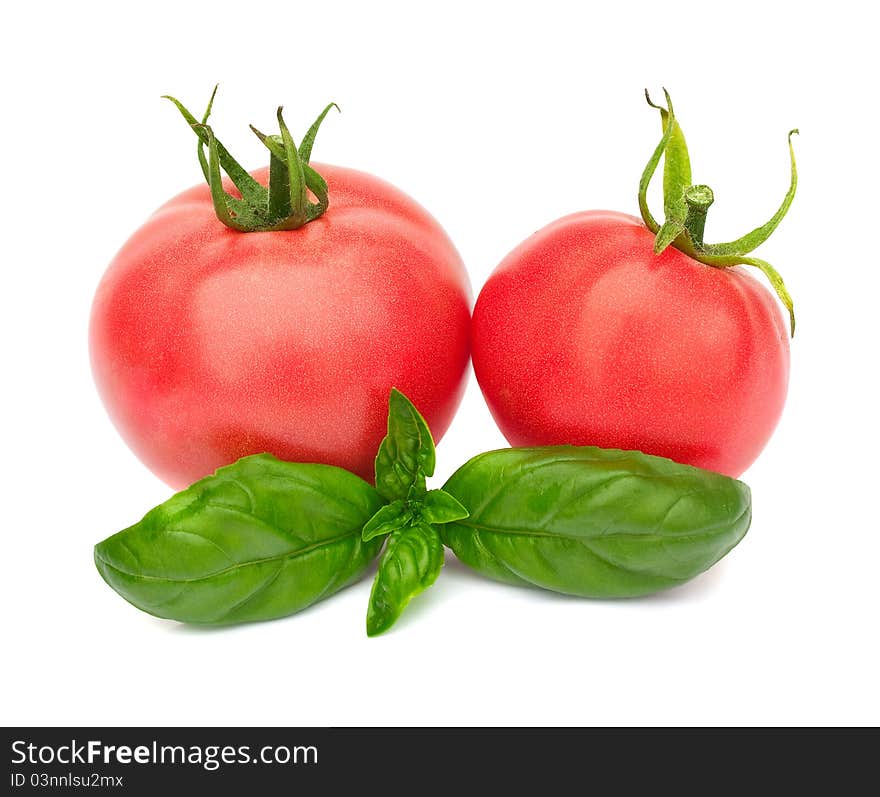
(440, 507)
(389, 518)
(409, 565)
(593, 522)
(259, 539)
(406, 455)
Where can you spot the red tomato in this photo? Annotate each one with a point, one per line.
(208, 344)
(583, 335)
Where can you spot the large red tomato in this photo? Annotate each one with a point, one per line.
(583, 335)
(208, 344)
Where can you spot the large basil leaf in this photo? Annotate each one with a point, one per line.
(259, 539)
(593, 522)
(410, 564)
(406, 455)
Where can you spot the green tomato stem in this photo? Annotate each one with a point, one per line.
(686, 207)
(698, 199)
(285, 204)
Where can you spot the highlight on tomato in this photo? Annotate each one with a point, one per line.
(603, 329)
(272, 311)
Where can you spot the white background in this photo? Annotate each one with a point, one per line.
(498, 118)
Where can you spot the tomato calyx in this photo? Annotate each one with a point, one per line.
(686, 205)
(285, 203)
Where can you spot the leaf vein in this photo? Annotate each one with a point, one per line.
(267, 582)
(249, 563)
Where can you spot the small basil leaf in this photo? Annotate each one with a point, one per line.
(259, 539)
(440, 507)
(409, 565)
(406, 455)
(389, 518)
(593, 522)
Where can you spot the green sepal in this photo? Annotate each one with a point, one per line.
(406, 455)
(648, 174)
(771, 273)
(285, 205)
(279, 177)
(676, 163)
(668, 232)
(296, 178)
(251, 190)
(234, 213)
(305, 147)
(200, 147)
(686, 205)
(410, 564)
(318, 186)
(751, 241)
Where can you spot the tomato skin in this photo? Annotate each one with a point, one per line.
(582, 335)
(208, 344)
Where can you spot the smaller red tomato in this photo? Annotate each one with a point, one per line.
(596, 331)
(584, 336)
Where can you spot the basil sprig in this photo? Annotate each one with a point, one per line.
(263, 538)
(259, 539)
(413, 556)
